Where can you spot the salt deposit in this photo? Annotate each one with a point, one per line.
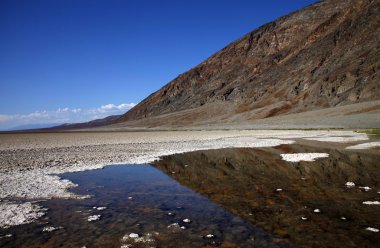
(30, 164)
(101, 208)
(93, 217)
(371, 202)
(365, 188)
(12, 214)
(297, 157)
(50, 228)
(133, 235)
(350, 184)
(365, 145)
(147, 239)
(371, 229)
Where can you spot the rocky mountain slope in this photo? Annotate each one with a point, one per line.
(325, 55)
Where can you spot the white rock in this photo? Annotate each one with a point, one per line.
(101, 208)
(343, 218)
(350, 184)
(278, 190)
(186, 220)
(317, 210)
(303, 218)
(209, 236)
(130, 198)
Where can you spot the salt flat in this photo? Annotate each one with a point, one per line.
(30, 163)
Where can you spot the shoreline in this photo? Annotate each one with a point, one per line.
(31, 163)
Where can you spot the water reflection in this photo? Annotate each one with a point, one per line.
(140, 200)
(306, 203)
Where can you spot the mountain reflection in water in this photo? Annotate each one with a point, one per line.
(306, 203)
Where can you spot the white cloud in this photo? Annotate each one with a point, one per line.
(113, 107)
(5, 118)
(63, 115)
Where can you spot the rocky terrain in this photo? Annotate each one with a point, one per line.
(322, 56)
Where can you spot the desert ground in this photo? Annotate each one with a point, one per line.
(30, 163)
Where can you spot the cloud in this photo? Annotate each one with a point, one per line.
(5, 118)
(113, 107)
(63, 115)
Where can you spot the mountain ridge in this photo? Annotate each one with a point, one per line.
(307, 60)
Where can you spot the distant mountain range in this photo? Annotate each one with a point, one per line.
(67, 126)
(90, 124)
(33, 126)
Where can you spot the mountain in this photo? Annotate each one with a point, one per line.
(67, 126)
(90, 124)
(323, 56)
(32, 126)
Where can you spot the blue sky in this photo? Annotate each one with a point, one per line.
(94, 58)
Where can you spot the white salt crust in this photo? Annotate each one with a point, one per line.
(297, 157)
(43, 182)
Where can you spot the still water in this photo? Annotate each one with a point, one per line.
(305, 203)
(142, 200)
(219, 198)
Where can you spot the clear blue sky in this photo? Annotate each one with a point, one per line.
(88, 53)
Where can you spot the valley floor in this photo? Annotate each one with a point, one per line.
(30, 163)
